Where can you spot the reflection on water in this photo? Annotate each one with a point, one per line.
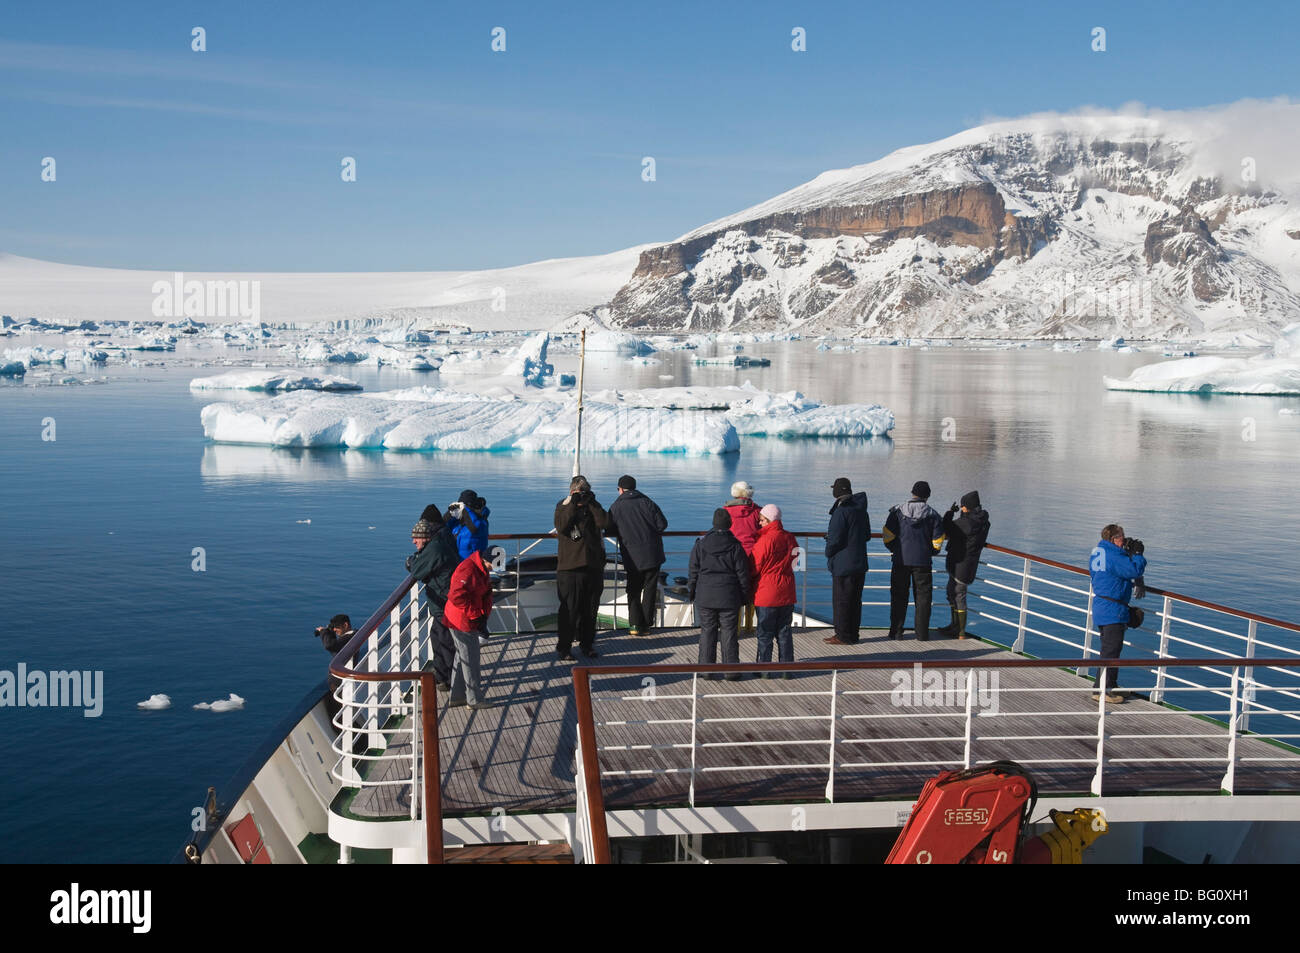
(103, 524)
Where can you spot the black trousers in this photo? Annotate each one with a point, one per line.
(718, 626)
(846, 605)
(579, 591)
(920, 579)
(444, 649)
(642, 595)
(1112, 643)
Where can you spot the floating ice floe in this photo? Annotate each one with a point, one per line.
(233, 703)
(12, 369)
(156, 703)
(155, 342)
(619, 342)
(1274, 373)
(33, 356)
(738, 360)
(272, 381)
(446, 420)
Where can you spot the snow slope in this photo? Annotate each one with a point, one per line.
(536, 295)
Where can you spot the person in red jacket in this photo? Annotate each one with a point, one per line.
(469, 603)
(774, 594)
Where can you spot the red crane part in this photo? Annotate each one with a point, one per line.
(976, 816)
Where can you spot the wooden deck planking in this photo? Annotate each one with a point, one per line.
(519, 756)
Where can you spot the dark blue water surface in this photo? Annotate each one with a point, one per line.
(99, 528)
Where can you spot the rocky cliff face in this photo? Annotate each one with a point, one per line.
(1073, 232)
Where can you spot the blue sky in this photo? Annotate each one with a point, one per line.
(466, 158)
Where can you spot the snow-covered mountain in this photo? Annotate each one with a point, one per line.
(1146, 226)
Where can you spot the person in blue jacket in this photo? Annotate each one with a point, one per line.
(913, 534)
(468, 519)
(1115, 565)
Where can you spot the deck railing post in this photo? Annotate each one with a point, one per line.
(1248, 692)
(1230, 776)
(415, 750)
(1019, 646)
(803, 587)
(970, 701)
(1087, 636)
(695, 682)
(1168, 608)
(1101, 731)
(830, 779)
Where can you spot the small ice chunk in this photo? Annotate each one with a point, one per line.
(155, 702)
(233, 703)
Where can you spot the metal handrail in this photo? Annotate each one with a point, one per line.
(369, 649)
(591, 793)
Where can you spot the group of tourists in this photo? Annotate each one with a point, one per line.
(741, 575)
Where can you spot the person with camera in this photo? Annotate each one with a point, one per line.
(468, 519)
(966, 527)
(434, 560)
(1116, 565)
(579, 567)
(334, 635)
(638, 524)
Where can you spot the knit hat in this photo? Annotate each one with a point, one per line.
(771, 511)
(431, 514)
(626, 482)
(741, 490)
(579, 484)
(921, 490)
(422, 530)
(842, 487)
(467, 497)
(721, 519)
(971, 500)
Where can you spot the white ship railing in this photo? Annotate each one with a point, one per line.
(850, 747)
(1034, 606)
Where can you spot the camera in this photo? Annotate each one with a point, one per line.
(1133, 547)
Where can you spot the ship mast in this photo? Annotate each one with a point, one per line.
(582, 366)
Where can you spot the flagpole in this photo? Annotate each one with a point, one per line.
(582, 366)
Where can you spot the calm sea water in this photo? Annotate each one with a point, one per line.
(99, 527)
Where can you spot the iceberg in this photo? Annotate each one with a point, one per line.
(155, 703)
(430, 419)
(32, 356)
(12, 369)
(619, 342)
(1215, 375)
(272, 381)
(529, 363)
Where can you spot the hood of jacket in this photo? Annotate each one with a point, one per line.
(914, 509)
(857, 500)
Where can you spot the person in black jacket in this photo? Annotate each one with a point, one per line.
(434, 560)
(846, 558)
(966, 533)
(913, 534)
(579, 567)
(719, 585)
(639, 524)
